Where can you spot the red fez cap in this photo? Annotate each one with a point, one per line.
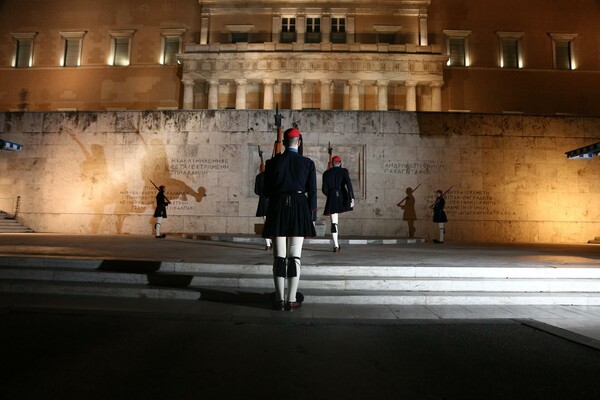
(336, 159)
(291, 133)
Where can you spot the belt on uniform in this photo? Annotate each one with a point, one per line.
(288, 197)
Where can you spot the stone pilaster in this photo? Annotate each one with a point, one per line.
(213, 94)
(326, 94)
(436, 95)
(382, 95)
(325, 28)
(240, 94)
(411, 95)
(354, 94)
(188, 94)
(297, 94)
(268, 89)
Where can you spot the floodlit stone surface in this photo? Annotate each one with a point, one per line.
(92, 172)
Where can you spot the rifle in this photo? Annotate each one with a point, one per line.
(330, 151)
(167, 200)
(406, 197)
(438, 199)
(262, 161)
(277, 147)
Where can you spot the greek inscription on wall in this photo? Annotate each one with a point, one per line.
(198, 166)
(136, 201)
(474, 204)
(413, 168)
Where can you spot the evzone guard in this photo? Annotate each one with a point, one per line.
(263, 202)
(291, 186)
(161, 210)
(439, 215)
(340, 195)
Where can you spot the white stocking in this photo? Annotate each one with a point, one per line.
(334, 235)
(295, 252)
(442, 231)
(279, 250)
(157, 226)
(267, 240)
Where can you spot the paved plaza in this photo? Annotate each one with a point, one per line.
(103, 347)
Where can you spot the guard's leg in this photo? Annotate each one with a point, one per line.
(334, 230)
(268, 242)
(293, 272)
(442, 231)
(279, 268)
(157, 225)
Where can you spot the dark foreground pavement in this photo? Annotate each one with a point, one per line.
(80, 355)
(68, 347)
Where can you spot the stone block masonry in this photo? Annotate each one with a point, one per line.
(91, 172)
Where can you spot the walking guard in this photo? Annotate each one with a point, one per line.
(263, 202)
(291, 186)
(439, 215)
(161, 210)
(340, 196)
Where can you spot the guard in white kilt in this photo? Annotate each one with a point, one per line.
(340, 196)
(263, 203)
(291, 186)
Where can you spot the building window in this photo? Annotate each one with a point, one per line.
(510, 49)
(120, 47)
(23, 57)
(563, 50)
(72, 44)
(457, 48)
(239, 33)
(313, 30)
(171, 45)
(338, 30)
(386, 33)
(288, 29)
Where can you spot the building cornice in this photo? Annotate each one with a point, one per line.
(395, 7)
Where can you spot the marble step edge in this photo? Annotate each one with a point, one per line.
(423, 298)
(314, 282)
(95, 289)
(414, 271)
(314, 296)
(255, 239)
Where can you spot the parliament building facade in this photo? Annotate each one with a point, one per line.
(534, 57)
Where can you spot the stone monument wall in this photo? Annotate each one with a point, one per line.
(92, 172)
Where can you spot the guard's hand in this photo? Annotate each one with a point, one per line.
(352, 203)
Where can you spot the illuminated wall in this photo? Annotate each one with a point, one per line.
(91, 172)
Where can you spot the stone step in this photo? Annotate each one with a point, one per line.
(417, 298)
(456, 298)
(9, 225)
(97, 289)
(335, 283)
(373, 284)
(340, 271)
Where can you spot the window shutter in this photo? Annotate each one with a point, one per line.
(72, 47)
(24, 49)
(171, 50)
(121, 51)
(457, 52)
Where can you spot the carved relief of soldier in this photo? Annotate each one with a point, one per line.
(340, 196)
